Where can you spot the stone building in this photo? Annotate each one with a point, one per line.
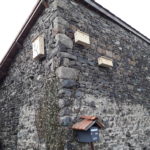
(42, 97)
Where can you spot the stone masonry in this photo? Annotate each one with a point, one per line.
(41, 99)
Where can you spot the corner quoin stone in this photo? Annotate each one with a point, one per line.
(60, 25)
(60, 20)
(67, 73)
(65, 40)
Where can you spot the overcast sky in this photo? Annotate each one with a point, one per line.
(135, 12)
(13, 14)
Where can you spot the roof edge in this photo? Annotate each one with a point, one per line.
(17, 43)
(39, 7)
(116, 19)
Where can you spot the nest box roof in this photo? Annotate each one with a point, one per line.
(87, 123)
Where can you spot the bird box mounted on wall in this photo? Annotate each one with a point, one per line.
(105, 61)
(82, 38)
(87, 130)
(38, 47)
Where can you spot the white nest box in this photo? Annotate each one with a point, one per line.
(38, 47)
(82, 38)
(105, 61)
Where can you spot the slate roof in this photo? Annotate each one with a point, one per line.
(17, 44)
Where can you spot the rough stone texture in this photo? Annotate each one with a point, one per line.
(68, 83)
(67, 73)
(60, 25)
(118, 95)
(67, 55)
(27, 135)
(28, 96)
(40, 100)
(125, 124)
(65, 40)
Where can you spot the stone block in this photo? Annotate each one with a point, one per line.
(67, 55)
(64, 102)
(58, 29)
(64, 93)
(117, 43)
(148, 78)
(66, 62)
(64, 40)
(68, 83)
(65, 121)
(65, 111)
(60, 25)
(117, 57)
(109, 54)
(67, 73)
(60, 20)
(79, 94)
(101, 51)
(61, 103)
(61, 4)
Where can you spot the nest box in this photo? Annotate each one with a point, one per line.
(88, 129)
(82, 38)
(105, 61)
(38, 47)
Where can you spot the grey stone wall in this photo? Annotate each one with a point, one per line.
(28, 98)
(118, 95)
(41, 100)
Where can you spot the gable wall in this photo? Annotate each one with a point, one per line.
(40, 100)
(119, 95)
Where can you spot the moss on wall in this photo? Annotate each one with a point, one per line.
(48, 118)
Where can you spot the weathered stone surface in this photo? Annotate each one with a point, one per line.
(64, 93)
(65, 40)
(68, 83)
(65, 121)
(60, 20)
(79, 94)
(109, 54)
(67, 73)
(66, 62)
(60, 4)
(27, 135)
(60, 25)
(37, 109)
(64, 103)
(101, 51)
(27, 104)
(67, 55)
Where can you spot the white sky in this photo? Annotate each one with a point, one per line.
(134, 12)
(13, 14)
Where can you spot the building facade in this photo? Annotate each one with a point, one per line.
(40, 99)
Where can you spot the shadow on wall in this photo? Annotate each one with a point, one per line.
(1, 148)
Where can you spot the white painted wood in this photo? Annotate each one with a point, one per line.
(82, 38)
(105, 61)
(38, 47)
